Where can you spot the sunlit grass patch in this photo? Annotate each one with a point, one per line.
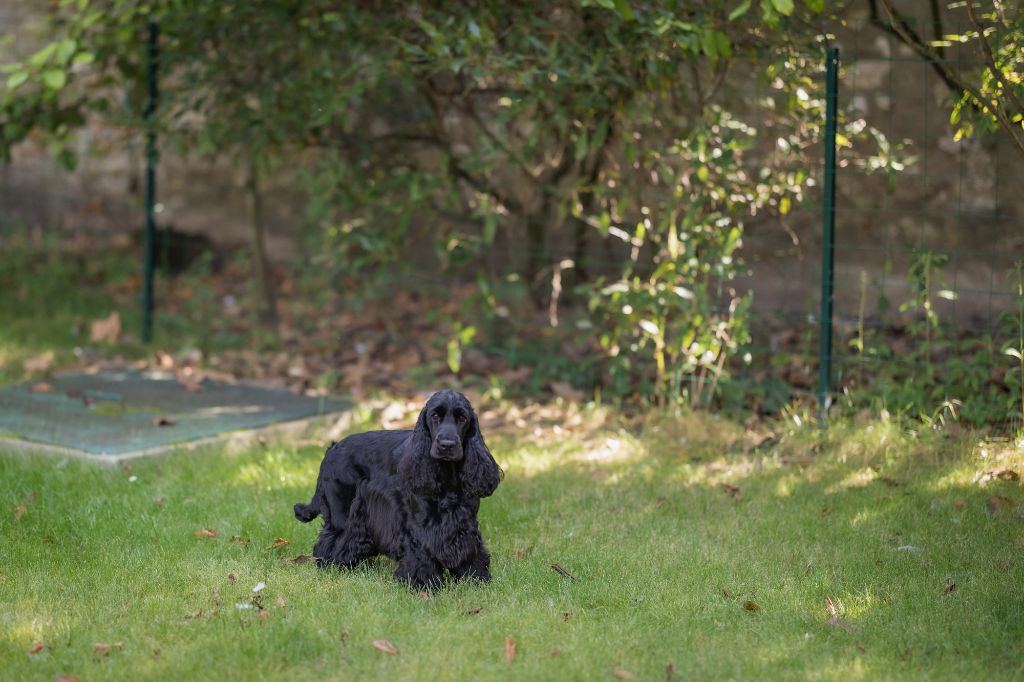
(668, 534)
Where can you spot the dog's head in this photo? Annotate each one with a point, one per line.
(447, 435)
(449, 419)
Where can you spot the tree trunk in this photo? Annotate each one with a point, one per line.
(267, 300)
(536, 224)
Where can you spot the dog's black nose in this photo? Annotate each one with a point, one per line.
(446, 444)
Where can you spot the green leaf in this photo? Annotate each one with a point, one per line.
(816, 6)
(784, 7)
(708, 45)
(83, 58)
(490, 227)
(702, 174)
(43, 55)
(784, 205)
(581, 145)
(624, 10)
(54, 78)
(16, 79)
(741, 10)
(454, 356)
(65, 50)
(723, 44)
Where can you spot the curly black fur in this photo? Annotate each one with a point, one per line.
(412, 495)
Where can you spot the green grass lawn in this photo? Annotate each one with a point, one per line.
(665, 556)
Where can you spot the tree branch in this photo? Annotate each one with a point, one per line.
(990, 59)
(907, 34)
(993, 109)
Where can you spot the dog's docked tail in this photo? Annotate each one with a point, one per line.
(308, 512)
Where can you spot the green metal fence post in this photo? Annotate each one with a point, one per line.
(153, 56)
(828, 223)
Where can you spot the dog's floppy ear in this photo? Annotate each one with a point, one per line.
(417, 470)
(480, 473)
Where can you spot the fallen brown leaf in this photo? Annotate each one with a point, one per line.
(280, 602)
(566, 391)
(555, 650)
(385, 646)
(206, 533)
(300, 559)
(520, 554)
(231, 578)
(566, 616)
(733, 491)
(262, 615)
(826, 510)
(195, 614)
(216, 597)
(949, 587)
(1008, 475)
(65, 678)
(473, 611)
(163, 421)
(159, 501)
(726, 592)
(100, 649)
(1003, 565)
(26, 502)
(42, 387)
(998, 502)
(830, 605)
(670, 671)
(39, 363)
(37, 646)
(561, 571)
(164, 360)
(239, 540)
(107, 329)
(278, 543)
(510, 649)
(751, 606)
(659, 503)
(622, 674)
(424, 596)
(959, 504)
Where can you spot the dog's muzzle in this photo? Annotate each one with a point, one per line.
(447, 450)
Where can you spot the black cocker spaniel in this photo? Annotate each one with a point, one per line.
(410, 495)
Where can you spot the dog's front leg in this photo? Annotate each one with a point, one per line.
(419, 571)
(476, 567)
